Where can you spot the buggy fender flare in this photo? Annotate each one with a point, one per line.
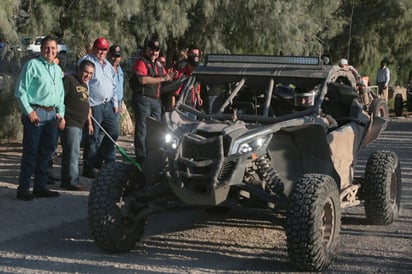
(299, 150)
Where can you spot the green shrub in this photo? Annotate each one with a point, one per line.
(11, 127)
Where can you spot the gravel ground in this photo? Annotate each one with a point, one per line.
(52, 235)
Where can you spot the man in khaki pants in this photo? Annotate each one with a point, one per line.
(382, 80)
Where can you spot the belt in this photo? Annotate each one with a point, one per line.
(106, 101)
(43, 107)
(150, 96)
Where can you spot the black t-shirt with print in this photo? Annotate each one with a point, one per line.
(76, 101)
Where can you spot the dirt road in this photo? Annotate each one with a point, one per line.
(52, 235)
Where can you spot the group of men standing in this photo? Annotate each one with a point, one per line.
(85, 106)
(86, 100)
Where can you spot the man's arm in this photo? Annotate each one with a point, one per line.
(149, 80)
(22, 89)
(388, 77)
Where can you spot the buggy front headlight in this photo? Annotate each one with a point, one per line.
(171, 141)
(252, 144)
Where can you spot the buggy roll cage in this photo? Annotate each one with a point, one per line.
(264, 71)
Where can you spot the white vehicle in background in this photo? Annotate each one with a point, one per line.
(34, 46)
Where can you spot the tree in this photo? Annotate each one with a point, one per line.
(9, 20)
(380, 30)
(364, 31)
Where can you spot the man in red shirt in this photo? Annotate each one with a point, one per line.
(149, 73)
(187, 70)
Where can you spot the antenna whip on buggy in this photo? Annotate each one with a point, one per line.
(122, 152)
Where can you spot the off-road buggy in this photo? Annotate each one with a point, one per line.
(285, 135)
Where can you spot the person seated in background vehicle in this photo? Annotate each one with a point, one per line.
(360, 85)
(343, 63)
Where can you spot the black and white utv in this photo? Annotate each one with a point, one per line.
(284, 131)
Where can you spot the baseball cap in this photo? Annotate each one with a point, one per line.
(115, 50)
(343, 61)
(101, 43)
(154, 44)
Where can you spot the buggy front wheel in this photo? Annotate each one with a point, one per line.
(113, 209)
(313, 222)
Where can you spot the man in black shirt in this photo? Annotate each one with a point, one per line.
(78, 113)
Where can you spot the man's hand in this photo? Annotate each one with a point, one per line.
(199, 100)
(60, 122)
(90, 128)
(34, 118)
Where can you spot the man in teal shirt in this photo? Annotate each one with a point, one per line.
(40, 94)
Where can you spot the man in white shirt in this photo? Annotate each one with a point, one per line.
(382, 80)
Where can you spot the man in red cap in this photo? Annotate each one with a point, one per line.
(104, 104)
(149, 74)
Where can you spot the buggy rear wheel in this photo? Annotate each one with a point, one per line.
(398, 104)
(381, 187)
(313, 222)
(379, 108)
(112, 208)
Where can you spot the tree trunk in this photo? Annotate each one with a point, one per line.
(126, 123)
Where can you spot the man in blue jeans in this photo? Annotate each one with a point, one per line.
(104, 104)
(149, 73)
(40, 94)
(78, 113)
(114, 57)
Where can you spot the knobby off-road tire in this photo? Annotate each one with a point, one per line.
(398, 104)
(109, 215)
(313, 222)
(381, 187)
(379, 108)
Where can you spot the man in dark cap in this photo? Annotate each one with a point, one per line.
(115, 56)
(148, 74)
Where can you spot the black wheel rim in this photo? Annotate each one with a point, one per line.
(329, 222)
